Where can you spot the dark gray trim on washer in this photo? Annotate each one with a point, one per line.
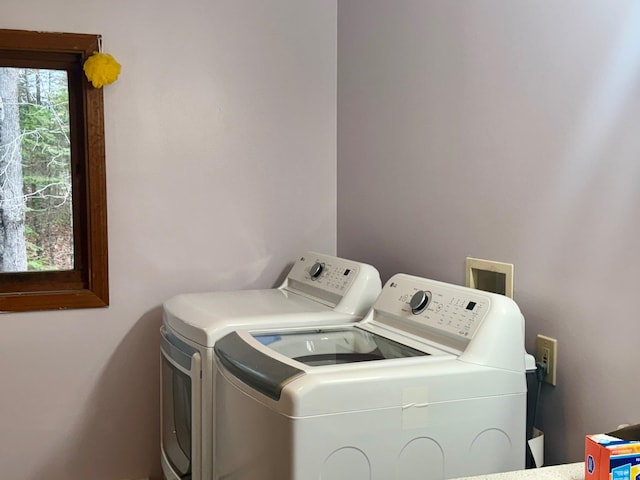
(251, 366)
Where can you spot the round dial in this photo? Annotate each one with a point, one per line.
(315, 270)
(419, 301)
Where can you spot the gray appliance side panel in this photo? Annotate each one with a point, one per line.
(256, 369)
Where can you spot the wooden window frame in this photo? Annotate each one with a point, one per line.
(87, 285)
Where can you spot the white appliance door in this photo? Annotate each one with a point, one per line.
(181, 409)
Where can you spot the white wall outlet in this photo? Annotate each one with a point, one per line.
(547, 353)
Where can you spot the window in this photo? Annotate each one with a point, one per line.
(53, 222)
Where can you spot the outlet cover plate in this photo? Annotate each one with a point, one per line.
(547, 352)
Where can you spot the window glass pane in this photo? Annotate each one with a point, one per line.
(36, 229)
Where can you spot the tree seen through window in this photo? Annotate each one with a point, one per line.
(36, 230)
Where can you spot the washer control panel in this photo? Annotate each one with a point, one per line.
(449, 309)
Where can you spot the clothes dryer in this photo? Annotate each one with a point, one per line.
(319, 289)
(429, 385)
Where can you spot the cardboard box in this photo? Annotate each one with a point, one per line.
(614, 455)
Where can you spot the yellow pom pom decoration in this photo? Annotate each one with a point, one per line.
(101, 69)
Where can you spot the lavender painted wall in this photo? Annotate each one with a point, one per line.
(223, 114)
(505, 130)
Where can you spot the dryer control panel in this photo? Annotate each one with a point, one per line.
(334, 275)
(334, 281)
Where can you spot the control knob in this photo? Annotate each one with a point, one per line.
(315, 270)
(419, 301)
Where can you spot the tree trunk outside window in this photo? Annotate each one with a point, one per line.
(13, 252)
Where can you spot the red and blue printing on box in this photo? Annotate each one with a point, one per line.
(614, 455)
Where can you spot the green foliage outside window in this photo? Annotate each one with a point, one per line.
(44, 121)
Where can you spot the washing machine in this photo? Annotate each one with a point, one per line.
(429, 385)
(319, 289)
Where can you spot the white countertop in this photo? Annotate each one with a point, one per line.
(570, 471)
